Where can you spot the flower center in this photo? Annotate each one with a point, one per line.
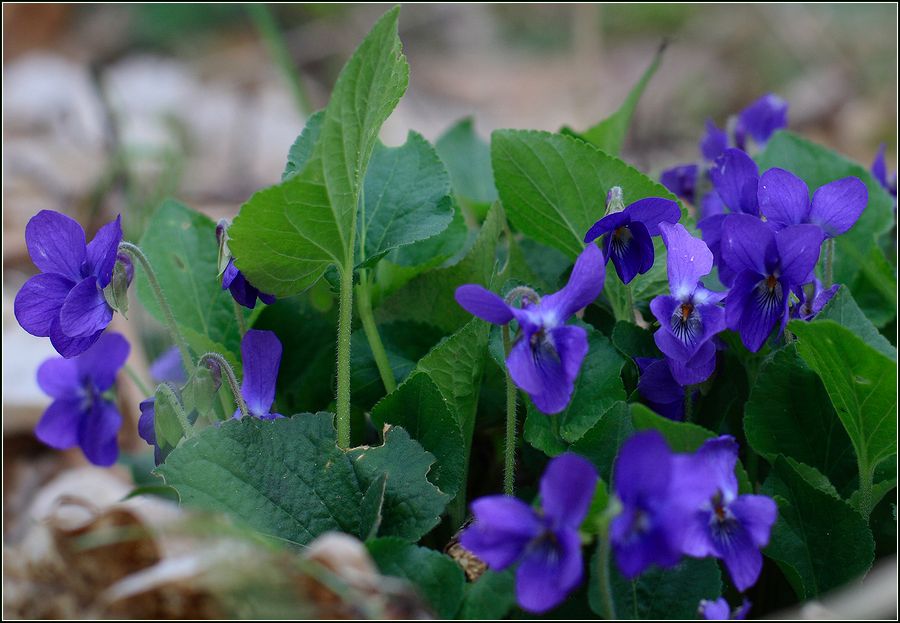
(771, 282)
(621, 238)
(686, 322)
(769, 293)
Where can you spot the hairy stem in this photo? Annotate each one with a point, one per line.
(172, 397)
(239, 316)
(689, 402)
(268, 29)
(829, 262)
(607, 605)
(135, 252)
(142, 387)
(509, 463)
(364, 309)
(228, 373)
(865, 486)
(345, 318)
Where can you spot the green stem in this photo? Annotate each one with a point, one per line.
(230, 377)
(135, 252)
(364, 309)
(865, 487)
(829, 262)
(345, 318)
(688, 402)
(607, 605)
(173, 399)
(137, 380)
(239, 315)
(268, 29)
(629, 297)
(509, 464)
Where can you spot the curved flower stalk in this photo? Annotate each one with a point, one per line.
(545, 543)
(80, 414)
(719, 610)
(629, 234)
(547, 353)
(65, 302)
(690, 316)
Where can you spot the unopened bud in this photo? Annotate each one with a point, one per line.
(116, 293)
(615, 201)
(222, 239)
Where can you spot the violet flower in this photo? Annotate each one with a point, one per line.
(168, 367)
(659, 389)
(835, 207)
(261, 358)
(719, 610)
(80, 415)
(629, 234)
(767, 265)
(812, 298)
(546, 356)
(760, 120)
(65, 302)
(242, 290)
(648, 529)
(546, 543)
(681, 180)
(147, 426)
(724, 524)
(690, 317)
(879, 170)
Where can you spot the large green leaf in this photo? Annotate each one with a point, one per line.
(302, 148)
(609, 134)
(789, 413)
(286, 236)
(489, 597)
(468, 159)
(861, 383)
(659, 593)
(819, 541)
(406, 199)
(438, 578)
(417, 406)
(287, 478)
(844, 311)
(553, 187)
(817, 166)
(181, 247)
(429, 297)
(600, 444)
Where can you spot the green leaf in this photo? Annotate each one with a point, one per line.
(287, 478)
(633, 341)
(659, 593)
(181, 247)
(553, 187)
(412, 505)
(370, 513)
(406, 200)
(609, 135)
(594, 520)
(871, 286)
(302, 148)
(600, 444)
(468, 159)
(491, 596)
(817, 166)
(819, 541)
(861, 383)
(414, 258)
(597, 388)
(418, 406)
(438, 578)
(286, 236)
(843, 310)
(789, 413)
(166, 424)
(429, 297)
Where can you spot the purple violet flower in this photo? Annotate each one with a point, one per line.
(835, 207)
(147, 427)
(261, 358)
(813, 297)
(546, 356)
(629, 234)
(168, 367)
(760, 120)
(648, 529)
(690, 317)
(714, 141)
(546, 542)
(767, 265)
(242, 290)
(65, 302)
(723, 524)
(879, 170)
(681, 180)
(80, 415)
(719, 610)
(659, 389)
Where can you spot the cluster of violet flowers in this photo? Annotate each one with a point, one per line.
(72, 302)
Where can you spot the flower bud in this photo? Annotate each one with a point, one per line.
(615, 201)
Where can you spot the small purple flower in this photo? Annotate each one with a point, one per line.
(767, 265)
(879, 170)
(629, 234)
(546, 356)
(80, 415)
(681, 180)
(690, 317)
(65, 302)
(724, 524)
(261, 358)
(813, 297)
(719, 610)
(659, 389)
(242, 290)
(546, 542)
(169, 367)
(714, 142)
(147, 427)
(648, 529)
(835, 207)
(760, 119)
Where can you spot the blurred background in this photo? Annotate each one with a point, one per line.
(108, 109)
